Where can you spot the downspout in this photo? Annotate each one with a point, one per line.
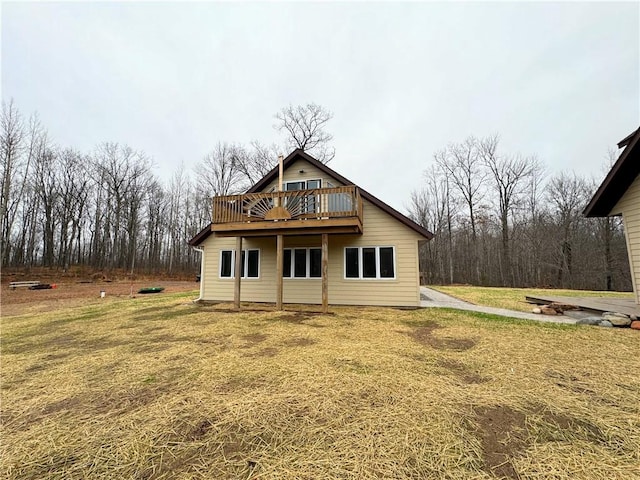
(201, 250)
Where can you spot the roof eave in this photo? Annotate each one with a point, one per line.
(201, 236)
(617, 181)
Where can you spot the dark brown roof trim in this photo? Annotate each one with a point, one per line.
(295, 155)
(625, 141)
(201, 236)
(618, 180)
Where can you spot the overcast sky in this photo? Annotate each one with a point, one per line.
(558, 80)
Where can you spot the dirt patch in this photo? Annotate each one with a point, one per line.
(63, 344)
(200, 431)
(96, 403)
(569, 382)
(237, 384)
(71, 293)
(424, 335)
(265, 352)
(299, 342)
(253, 339)
(506, 433)
(150, 348)
(66, 404)
(297, 317)
(503, 434)
(561, 424)
(461, 371)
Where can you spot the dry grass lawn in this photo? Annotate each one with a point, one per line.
(514, 298)
(157, 387)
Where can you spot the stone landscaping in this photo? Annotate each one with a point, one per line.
(607, 319)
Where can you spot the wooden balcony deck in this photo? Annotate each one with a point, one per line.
(300, 212)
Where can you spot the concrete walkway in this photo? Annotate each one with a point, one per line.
(433, 299)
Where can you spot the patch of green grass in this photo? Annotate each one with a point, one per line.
(514, 298)
(162, 388)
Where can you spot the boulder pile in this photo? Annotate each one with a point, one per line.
(612, 319)
(607, 319)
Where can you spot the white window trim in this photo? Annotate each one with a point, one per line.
(308, 266)
(377, 278)
(233, 263)
(305, 180)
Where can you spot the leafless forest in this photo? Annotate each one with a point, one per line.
(498, 218)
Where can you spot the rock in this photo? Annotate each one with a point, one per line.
(562, 307)
(547, 310)
(633, 317)
(635, 325)
(589, 321)
(617, 319)
(605, 323)
(536, 310)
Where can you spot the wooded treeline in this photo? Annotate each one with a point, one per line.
(500, 220)
(107, 209)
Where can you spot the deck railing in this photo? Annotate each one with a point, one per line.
(317, 203)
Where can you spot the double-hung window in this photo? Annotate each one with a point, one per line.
(369, 262)
(250, 263)
(302, 263)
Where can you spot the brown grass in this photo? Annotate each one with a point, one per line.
(157, 388)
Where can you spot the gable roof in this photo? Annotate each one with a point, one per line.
(299, 154)
(619, 178)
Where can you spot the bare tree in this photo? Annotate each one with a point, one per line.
(256, 161)
(305, 128)
(607, 227)
(431, 207)
(12, 136)
(156, 223)
(125, 175)
(178, 190)
(73, 185)
(463, 164)
(221, 172)
(533, 220)
(48, 190)
(567, 197)
(509, 175)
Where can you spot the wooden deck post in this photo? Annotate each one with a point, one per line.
(279, 270)
(238, 273)
(325, 273)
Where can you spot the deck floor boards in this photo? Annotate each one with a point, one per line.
(595, 304)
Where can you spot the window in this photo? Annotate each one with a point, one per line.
(250, 263)
(302, 263)
(369, 262)
(306, 203)
(351, 263)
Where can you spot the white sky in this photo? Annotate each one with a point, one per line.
(559, 80)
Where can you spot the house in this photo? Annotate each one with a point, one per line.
(619, 194)
(309, 235)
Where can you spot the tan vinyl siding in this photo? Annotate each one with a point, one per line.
(292, 174)
(629, 207)
(380, 229)
(260, 289)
